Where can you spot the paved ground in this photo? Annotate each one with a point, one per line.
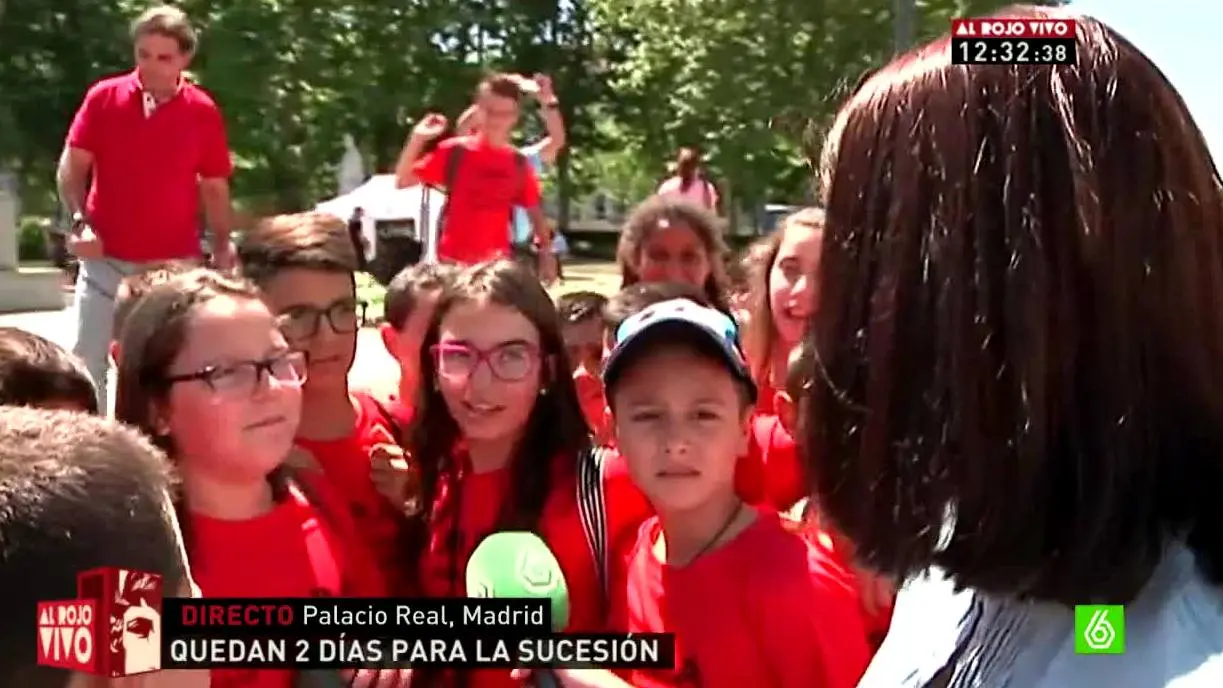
(371, 368)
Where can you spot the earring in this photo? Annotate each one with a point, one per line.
(543, 391)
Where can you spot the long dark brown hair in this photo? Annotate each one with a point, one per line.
(1020, 323)
(556, 427)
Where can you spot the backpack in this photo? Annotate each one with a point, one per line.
(453, 161)
(592, 508)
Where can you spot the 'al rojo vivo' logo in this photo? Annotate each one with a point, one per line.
(1099, 629)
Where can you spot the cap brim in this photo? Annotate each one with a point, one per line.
(672, 331)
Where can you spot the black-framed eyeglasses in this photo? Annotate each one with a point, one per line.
(508, 362)
(244, 377)
(303, 322)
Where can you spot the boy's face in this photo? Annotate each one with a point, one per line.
(681, 426)
(498, 115)
(404, 344)
(584, 344)
(319, 315)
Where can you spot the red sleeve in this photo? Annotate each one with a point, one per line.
(529, 195)
(594, 405)
(811, 631)
(215, 162)
(362, 578)
(770, 474)
(430, 168)
(749, 470)
(84, 133)
(627, 509)
(784, 483)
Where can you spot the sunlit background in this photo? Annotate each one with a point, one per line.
(1182, 37)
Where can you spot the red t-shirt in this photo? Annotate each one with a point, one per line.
(839, 549)
(346, 464)
(296, 550)
(594, 405)
(766, 398)
(764, 609)
(144, 198)
(479, 500)
(770, 474)
(488, 184)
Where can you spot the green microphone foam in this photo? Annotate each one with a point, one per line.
(519, 565)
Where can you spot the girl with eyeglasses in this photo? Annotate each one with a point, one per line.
(207, 374)
(500, 440)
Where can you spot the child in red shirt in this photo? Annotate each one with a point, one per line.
(304, 267)
(581, 316)
(500, 442)
(207, 374)
(750, 603)
(784, 280)
(768, 474)
(410, 301)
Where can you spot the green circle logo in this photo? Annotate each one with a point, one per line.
(537, 574)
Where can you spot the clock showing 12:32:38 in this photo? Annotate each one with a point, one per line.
(1012, 51)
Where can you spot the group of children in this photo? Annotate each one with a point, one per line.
(647, 438)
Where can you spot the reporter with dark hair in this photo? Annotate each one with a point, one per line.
(1017, 402)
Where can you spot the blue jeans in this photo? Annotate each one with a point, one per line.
(97, 282)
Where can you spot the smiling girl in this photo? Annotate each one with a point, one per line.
(671, 239)
(784, 283)
(206, 374)
(501, 442)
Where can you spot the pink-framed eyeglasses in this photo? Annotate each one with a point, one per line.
(509, 361)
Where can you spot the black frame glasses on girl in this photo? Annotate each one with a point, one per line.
(511, 361)
(244, 377)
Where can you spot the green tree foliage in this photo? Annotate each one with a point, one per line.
(748, 81)
(742, 79)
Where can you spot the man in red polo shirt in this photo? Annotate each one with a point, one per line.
(484, 189)
(154, 145)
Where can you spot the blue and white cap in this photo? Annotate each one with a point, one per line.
(684, 320)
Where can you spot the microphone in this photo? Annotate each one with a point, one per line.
(520, 565)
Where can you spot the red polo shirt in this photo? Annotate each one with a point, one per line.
(489, 181)
(144, 199)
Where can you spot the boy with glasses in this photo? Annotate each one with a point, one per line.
(304, 265)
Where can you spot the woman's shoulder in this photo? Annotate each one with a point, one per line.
(1170, 635)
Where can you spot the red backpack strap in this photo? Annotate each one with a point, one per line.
(322, 556)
